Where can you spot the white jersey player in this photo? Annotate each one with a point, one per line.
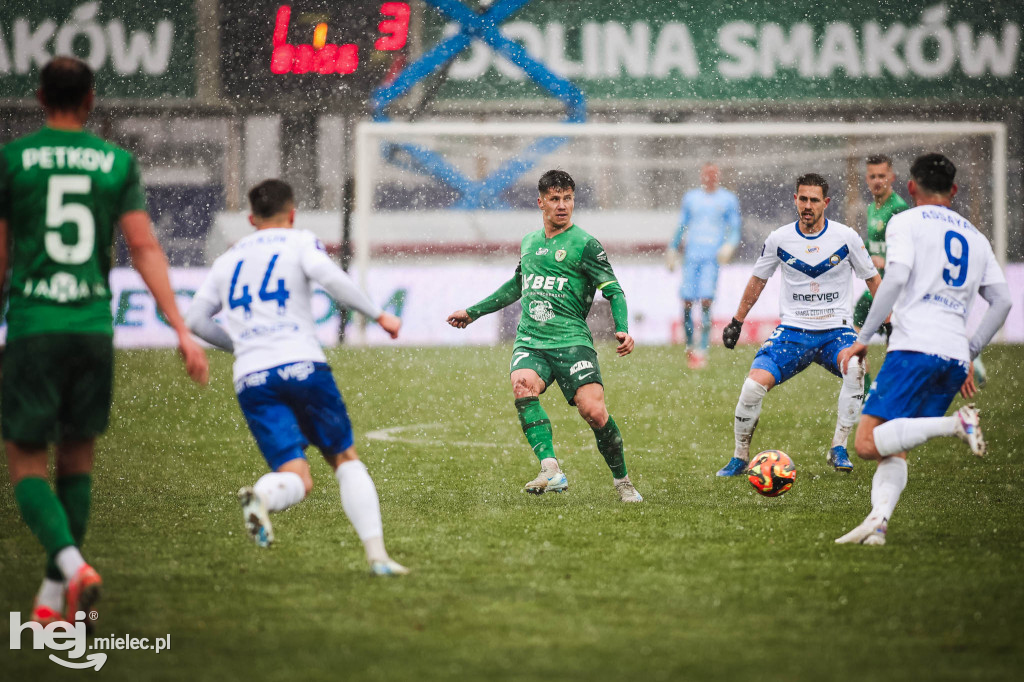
(285, 388)
(937, 263)
(818, 258)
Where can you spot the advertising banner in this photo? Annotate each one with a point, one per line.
(139, 50)
(755, 50)
(423, 296)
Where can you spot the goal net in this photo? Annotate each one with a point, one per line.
(441, 207)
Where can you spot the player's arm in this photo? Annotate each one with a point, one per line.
(873, 283)
(322, 270)
(150, 262)
(199, 316)
(505, 295)
(732, 232)
(764, 267)
(672, 253)
(597, 268)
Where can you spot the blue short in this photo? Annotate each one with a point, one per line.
(700, 277)
(789, 350)
(914, 385)
(290, 406)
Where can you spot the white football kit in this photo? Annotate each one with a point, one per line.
(816, 273)
(264, 284)
(949, 260)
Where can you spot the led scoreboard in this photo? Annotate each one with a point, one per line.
(277, 52)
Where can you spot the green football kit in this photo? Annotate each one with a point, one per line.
(61, 193)
(556, 281)
(878, 218)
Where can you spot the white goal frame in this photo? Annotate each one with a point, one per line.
(370, 134)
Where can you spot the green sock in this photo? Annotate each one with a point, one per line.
(75, 493)
(536, 426)
(43, 514)
(609, 444)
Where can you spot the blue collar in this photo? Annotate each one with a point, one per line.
(823, 230)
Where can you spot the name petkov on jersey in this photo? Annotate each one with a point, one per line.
(75, 158)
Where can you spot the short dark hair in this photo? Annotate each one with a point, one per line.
(934, 172)
(270, 197)
(813, 180)
(65, 83)
(876, 159)
(555, 178)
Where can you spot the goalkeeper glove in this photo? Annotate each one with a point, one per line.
(731, 333)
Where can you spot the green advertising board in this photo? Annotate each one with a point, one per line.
(139, 50)
(754, 50)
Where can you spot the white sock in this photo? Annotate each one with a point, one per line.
(51, 594)
(851, 399)
(889, 481)
(906, 433)
(362, 507)
(280, 490)
(748, 410)
(624, 479)
(69, 560)
(549, 463)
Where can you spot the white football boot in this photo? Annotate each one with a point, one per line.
(968, 429)
(257, 521)
(626, 491)
(870, 532)
(549, 480)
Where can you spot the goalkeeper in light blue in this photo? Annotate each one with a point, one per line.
(708, 234)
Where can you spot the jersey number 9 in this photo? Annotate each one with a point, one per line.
(956, 254)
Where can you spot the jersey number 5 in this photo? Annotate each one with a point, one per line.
(59, 212)
(956, 254)
(244, 301)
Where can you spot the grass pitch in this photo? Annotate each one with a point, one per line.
(703, 581)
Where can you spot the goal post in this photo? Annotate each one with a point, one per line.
(463, 193)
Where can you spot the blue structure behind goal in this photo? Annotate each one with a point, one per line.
(485, 193)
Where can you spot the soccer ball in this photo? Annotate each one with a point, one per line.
(771, 473)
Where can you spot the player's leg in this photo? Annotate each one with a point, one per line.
(908, 385)
(361, 503)
(589, 400)
(279, 437)
(688, 328)
(35, 375)
(708, 281)
(748, 411)
(530, 373)
(851, 394)
(323, 420)
(688, 292)
(784, 354)
(84, 415)
(860, 314)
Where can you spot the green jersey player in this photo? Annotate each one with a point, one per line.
(886, 203)
(62, 190)
(561, 267)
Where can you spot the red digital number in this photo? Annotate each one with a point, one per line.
(395, 30)
(306, 58)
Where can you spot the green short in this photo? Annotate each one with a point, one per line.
(860, 310)
(571, 366)
(56, 387)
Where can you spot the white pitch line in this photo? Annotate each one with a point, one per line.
(391, 435)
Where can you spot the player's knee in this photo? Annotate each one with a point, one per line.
(752, 392)
(307, 484)
(593, 412)
(524, 388)
(864, 443)
(854, 370)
